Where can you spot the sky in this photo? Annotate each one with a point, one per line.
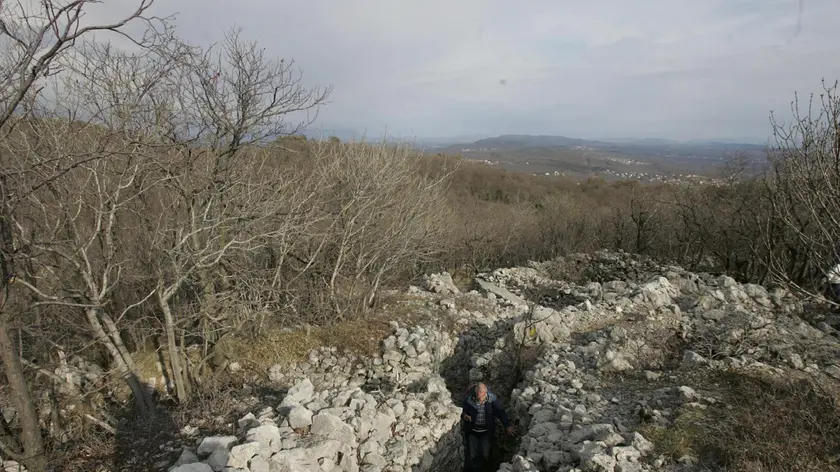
(677, 69)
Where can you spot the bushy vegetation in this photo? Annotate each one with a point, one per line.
(763, 424)
(161, 201)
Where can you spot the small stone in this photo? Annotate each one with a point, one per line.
(299, 417)
(687, 393)
(692, 359)
(187, 457)
(651, 376)
(248, 421)
(210, 444)
(196, 467)
(833, 371)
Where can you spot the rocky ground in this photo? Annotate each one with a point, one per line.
(606, 362)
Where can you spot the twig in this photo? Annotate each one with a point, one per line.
(101, 423)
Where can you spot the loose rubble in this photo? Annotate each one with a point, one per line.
(395, 412)
(614, 341)
(576, 421)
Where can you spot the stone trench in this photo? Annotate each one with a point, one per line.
(484, 353)
(551, 364)
(398, 411)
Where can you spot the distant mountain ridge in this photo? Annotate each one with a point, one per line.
(525, 140)
(512, 141)
(509, 142)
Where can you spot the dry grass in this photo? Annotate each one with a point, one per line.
(684, 437)
(283, 346)
(360, 337)
(273, 346)
(276, 346)
(764, 425)
(413, 310)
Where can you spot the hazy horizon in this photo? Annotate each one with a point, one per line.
(351, 133)
(655, 69)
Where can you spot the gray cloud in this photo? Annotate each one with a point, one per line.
(669, 68)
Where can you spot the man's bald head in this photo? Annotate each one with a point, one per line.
(481, 392)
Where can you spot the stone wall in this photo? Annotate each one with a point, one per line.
(398, 411)
(621, 355)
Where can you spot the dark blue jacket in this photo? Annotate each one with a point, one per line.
(492, 409)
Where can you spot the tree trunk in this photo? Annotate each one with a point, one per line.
(55, 415)
(181, 388)
(141, 394)
(116, 338)
(31, 442)
(370, 300)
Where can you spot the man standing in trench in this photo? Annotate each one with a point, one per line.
(480, 410)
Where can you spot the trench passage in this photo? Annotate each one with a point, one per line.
(502, 373)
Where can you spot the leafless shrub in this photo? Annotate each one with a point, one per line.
(733, 339)
(379, 218)
(490, 234)
(569, 222)
(803, 190)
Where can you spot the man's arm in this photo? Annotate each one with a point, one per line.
(463, 423)
(499, 412)
(465, 418)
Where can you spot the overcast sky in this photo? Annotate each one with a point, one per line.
(681, 69)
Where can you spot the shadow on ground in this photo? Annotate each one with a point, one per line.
(147, 443)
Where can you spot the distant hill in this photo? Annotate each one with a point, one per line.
(348, 134)
(643, 159)
(512, 141)
(441, 141)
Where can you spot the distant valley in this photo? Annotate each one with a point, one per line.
(641, 159)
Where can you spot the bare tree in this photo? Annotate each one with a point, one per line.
(221, 192)
(74, 227)
(723, 221)
(804, 188)
(34, 38)
(235, 95)
(643, 211)
(385, 216)
(194, 237)
(75, 223)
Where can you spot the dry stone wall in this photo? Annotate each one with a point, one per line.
(393, 412)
